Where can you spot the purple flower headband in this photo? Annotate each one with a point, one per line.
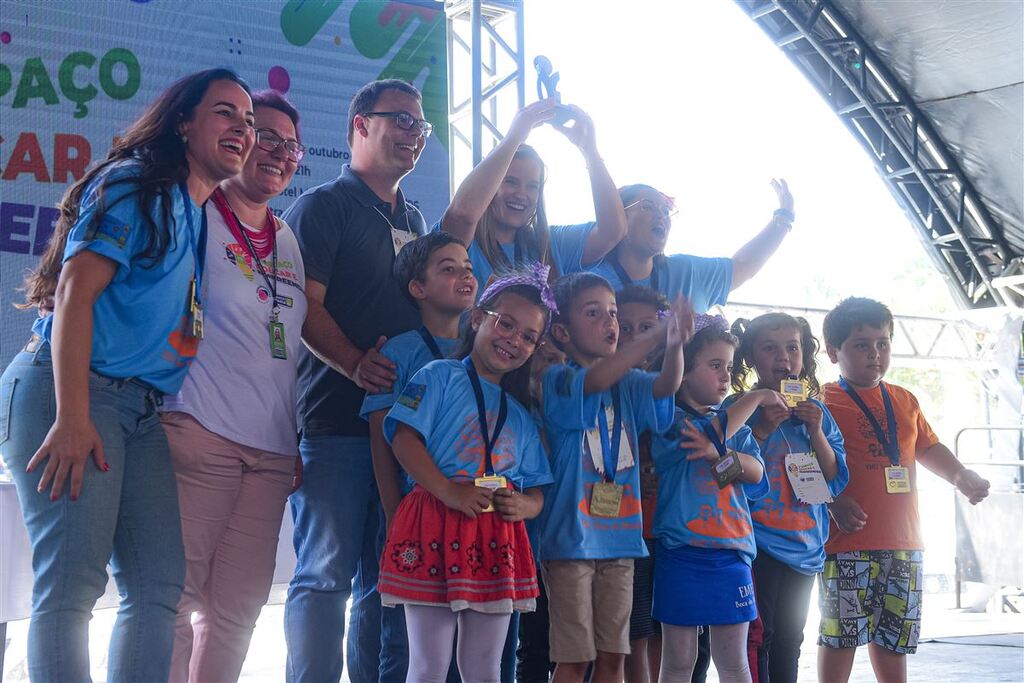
(717, 322)
(535, 276)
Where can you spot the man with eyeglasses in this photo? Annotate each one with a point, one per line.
(350, 230)
(639, 259)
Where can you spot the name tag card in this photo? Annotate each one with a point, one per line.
(897, 479)
(804, 473)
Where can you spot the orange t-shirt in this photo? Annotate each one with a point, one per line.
(893, 519)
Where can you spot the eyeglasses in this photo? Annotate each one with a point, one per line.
(268, 140)
(405, 121)
(647, 206)
(508, 329)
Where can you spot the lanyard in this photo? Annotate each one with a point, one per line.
(431, 343)
(610, 445)
(624, 277)
(229, 216)
(198, 244)
(709, 427)
(889, 442)
(481, 411)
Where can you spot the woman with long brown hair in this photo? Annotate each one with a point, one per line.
(498, 209)
(120, 286)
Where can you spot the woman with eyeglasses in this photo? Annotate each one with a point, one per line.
(231, 427)
(639, 259)
(499, 208)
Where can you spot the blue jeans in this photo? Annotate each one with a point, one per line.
(338, 529)
(127, 517)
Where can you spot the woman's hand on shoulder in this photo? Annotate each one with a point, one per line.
(65, 450)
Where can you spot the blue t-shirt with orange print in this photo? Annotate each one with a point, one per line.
(692, 510)
(438, 402)
(569, 531)
(793, 532)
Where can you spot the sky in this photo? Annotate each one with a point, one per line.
(692, 98)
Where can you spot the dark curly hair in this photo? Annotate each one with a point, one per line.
(748, 331)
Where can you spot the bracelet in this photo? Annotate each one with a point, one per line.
(785, 214)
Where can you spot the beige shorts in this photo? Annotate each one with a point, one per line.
(589, 602)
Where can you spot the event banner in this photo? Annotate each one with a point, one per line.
(74, 73)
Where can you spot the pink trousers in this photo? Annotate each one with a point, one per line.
(232, 499)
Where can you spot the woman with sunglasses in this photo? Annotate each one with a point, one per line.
(639, 259)
(499, 208)
(232, 428)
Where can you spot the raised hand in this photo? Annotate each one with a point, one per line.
(529, 117)
(782, 191)
(681, 323)
(581, 133)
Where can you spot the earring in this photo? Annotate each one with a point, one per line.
(184, 139)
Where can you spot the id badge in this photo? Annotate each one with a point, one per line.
(806, 478)
(196, 311)
(606, 499)
(726, 469)
(400, 238)
(492, 482)
(897, 479)
(277, 345)
(793, 391)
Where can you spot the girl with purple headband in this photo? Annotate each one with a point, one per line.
(457, 553)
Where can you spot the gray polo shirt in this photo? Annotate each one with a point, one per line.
(343, 232)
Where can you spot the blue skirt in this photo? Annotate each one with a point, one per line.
(699, 586)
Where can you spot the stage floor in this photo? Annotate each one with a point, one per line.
(956, 646)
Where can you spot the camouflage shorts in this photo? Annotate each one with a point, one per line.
(871, 596)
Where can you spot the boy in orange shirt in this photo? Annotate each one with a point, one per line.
(870, 589)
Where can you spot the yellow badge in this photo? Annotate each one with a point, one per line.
(492, 482)
(897, 479)
(606, 499)
(794, 391)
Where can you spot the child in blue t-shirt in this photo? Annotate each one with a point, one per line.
(457, 553)
(435, 273)
(708, 466)
(591, 528)
(790, 530)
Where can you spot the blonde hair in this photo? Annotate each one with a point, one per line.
(533, 238)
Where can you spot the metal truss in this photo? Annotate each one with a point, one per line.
(917, 341)
(485, 39)
(966, 242)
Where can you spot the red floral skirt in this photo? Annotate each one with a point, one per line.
(438, 556)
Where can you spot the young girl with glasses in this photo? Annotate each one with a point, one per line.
(457, 552)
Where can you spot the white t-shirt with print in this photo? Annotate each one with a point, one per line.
(235, 387)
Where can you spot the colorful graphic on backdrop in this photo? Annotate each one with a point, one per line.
(70, 83)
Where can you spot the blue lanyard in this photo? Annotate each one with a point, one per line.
(609, 445)
(198, 245)
(481, 411)
(431, 343)
(709, 427)
(889, 442)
